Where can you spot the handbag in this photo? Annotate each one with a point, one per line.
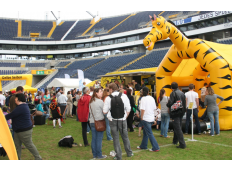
(99, 125)
(75, 103)
(177, 105)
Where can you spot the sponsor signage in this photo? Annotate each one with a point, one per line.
(202, 17)
(11, 77)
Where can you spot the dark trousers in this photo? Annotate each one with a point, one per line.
(130, 121)
(84, 132)
(178, 134)
(195, 115)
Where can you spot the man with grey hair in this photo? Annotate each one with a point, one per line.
(83, 113)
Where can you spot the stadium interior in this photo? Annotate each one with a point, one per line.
(97, 45)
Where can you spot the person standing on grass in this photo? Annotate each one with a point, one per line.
(177, 116)
(83, 113)
(47, 101)
(22, 126)
(192, 96)
(139, 114)
(62, 103)
(148, 108)
(69, 104)
(213, 109)
(165, 117)
(106, 93)
(117, 107)
(131, 115)
(96, 114)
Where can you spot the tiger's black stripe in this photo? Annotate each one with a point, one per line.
(178, 54)
(187, 55)
(228, 77)
(171, 60)
(228, 98)
(166, 70)
(159, 78)
(204, 70)
(226, 87)
(167, 86)
(202, 42)
(177, 37)
(195, 54)
(217, 58)
(208, 52)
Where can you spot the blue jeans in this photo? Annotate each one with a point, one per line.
(165, 118)
(96, 143)
(195, 115)
(46, 115)
(147, 133)
(108, 135)
(46, 108)
(88, 128)
(214, 114)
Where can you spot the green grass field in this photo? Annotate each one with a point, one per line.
(206, 147)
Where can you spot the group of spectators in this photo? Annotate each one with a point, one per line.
(116, 105)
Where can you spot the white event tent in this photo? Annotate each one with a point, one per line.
(66, 84)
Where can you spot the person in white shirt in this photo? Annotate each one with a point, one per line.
(62, 102)
(118, 123)
(2, 100)
(130, 87)
(91, 91)
(148, 108)
(192, 96)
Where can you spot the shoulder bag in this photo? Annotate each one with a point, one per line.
(99, 125)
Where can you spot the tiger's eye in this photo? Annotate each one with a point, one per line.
(158, 23)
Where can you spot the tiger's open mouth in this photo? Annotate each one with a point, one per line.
(149, 45)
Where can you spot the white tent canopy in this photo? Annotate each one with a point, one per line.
(66, 84)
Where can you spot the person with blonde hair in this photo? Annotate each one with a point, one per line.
(96, 114)
(212, 109)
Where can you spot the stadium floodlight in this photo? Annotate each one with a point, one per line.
(54, 15)
(91, 14)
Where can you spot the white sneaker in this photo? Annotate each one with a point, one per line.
(103, 157)
(87, 132)
(33, 125)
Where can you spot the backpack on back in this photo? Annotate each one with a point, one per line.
(117, 107)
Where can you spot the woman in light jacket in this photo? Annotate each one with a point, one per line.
(213, 110)
(96, 110)
(165, 117)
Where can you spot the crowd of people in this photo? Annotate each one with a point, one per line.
(116, 106)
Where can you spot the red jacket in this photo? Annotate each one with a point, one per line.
(83, 108)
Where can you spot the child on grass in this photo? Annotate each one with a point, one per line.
(4, 109)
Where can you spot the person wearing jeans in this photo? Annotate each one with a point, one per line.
(96, 114)
(108, 134)
(147, 108)
(214, 116)
(118, 124)
(192, 97)
(213, 110)
(165, 117)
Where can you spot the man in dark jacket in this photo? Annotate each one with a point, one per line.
(177, 116)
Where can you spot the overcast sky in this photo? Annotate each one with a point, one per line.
(76, 9)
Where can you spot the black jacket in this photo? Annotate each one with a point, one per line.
(172, 100)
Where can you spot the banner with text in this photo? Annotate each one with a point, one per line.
(81, 78)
